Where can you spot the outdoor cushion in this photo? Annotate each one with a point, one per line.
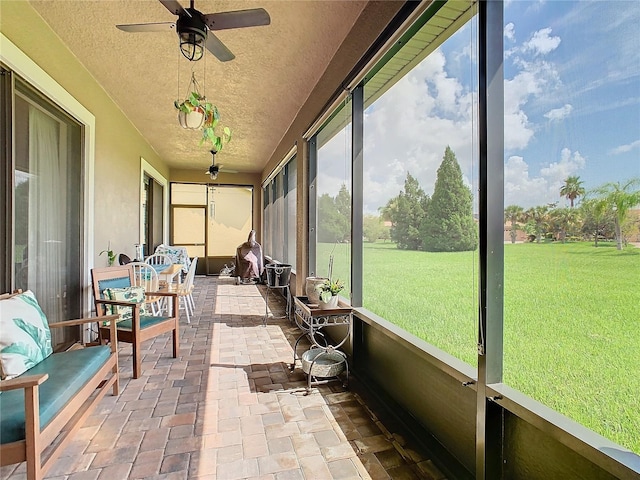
(68, 372)
(120, 282)
(145, 322)
(134, 294)
(25, 339)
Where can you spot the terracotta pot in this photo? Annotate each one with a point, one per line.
(192, 120)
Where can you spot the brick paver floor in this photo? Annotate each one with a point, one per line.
(229, 408)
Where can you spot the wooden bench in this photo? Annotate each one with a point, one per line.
(42, 408)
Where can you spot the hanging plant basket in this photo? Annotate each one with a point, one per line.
(192, 120)
(196, 113)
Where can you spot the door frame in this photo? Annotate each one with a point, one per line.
(17, 61)
(147, 169)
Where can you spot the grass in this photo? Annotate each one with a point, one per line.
(571, 320)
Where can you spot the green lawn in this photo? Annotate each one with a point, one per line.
(572, 320)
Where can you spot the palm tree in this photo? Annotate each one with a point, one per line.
(538, 217)
(513, 214)
(572, 188)
(594, 211)
(620, 197)
(564, 220)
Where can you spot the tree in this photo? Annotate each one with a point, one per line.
(598, 219)
(329, 221)
(334, 216)
(343, 205)
(572, 188)
(372, 228)
(537, 220)
(406, 213)
(513, 214)
(563, 221)
(620, 197)
(449, 225)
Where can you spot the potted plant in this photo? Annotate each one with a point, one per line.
(111, 257)
(328, 291)
(192, 110)
(195, 112)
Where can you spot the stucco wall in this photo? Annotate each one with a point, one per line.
(118, 145)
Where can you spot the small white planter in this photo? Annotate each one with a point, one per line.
(332, 303)
(192, 120)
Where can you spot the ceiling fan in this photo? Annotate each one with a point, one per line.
(214, 169)
(194, 28)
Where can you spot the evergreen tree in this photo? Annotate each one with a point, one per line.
(406, 213)
(449, 225)
(334, 216)
(329, 229)
(343, 206)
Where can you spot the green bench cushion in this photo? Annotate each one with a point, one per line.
(145, 322)
(68, 373)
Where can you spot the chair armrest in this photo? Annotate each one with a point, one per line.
(23, 382)
(161, 294)
(82, 321)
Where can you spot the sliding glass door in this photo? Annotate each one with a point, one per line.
(43, 182)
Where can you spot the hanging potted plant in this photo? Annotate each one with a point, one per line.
(195, 112)
(191, 111)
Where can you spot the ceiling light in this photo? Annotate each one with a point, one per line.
(192, 32)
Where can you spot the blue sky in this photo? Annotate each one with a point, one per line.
(572, 106)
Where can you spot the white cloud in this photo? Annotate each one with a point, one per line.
(520, 188)
(557, 114)
(625, 148)
(409, 128)
(510, 31)
(534, 79)
(569, 164)
(541, 42)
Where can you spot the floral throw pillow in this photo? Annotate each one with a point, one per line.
(128, 294)
(25, 338)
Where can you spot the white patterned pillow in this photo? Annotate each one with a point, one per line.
(127, 294)
(25, 339)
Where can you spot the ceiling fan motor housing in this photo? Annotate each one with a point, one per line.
(192, 31)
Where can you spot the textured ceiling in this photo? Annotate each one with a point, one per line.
(258, 94)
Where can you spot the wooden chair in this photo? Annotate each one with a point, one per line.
(140, 327)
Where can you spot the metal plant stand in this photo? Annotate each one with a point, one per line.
(277, 278)
(322, 363)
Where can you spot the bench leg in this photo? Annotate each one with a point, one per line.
(32, 431)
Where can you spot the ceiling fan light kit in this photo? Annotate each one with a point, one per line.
(192, 31)
(194, 28)
(214, 169)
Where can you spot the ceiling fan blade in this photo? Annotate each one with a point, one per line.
(147, 27)
(174, 7)
(237, 19)
(219, 49)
